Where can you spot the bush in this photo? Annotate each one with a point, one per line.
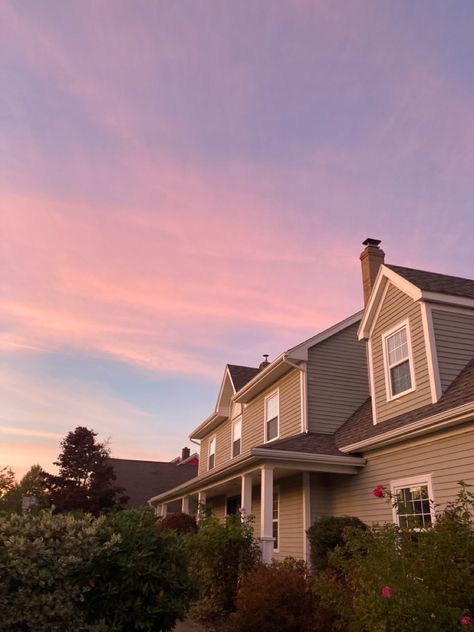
(179, 522)
(141, 583)
(275, 597)
(389, 578)
(327, 533)
(221, 554)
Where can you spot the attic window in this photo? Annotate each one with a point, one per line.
(271, 417)
(398, 361)
(212, 453)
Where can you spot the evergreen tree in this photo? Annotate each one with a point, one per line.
(86, 478)
(32, 485)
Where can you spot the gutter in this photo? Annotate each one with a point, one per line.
(308, 457)
(442, 420)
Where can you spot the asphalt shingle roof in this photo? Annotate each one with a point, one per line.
(241, 375)
(434, 282)
(310, 442)
(360, 426)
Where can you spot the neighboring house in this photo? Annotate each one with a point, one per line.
(386, 397)
(141, 479)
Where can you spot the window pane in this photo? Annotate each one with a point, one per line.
(236, 448)
(211, 461)
(413, 506)
(401, 378)
(272, 429)
(271, 407)
(237, 429)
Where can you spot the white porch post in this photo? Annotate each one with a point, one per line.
(185, 504)
(246, 494)
(266, 523)
(164, 510)
(201, 502)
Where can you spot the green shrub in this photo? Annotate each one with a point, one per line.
(141, 583)
(275, 597)
(43, 568)
(221, 554)
(393, 579)
(326, 533)
(179, 522)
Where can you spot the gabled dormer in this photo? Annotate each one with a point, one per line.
(419, 328)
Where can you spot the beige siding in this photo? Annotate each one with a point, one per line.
(337, 380)
(320, 496)
(396, 307)
(290, 412)
(454, 335)
(203, 454)
(217, 504)
(447, 458)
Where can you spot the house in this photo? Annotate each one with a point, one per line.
(141, 479)
(385, 397)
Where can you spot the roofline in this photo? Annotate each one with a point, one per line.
(206, 425)
(450, 299)
(422, 426)
(291, 455)
(261, 375)
(300, 352)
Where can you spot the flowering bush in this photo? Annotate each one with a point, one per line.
(389, 578)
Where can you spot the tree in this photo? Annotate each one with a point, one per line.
(85, 479)
(7, 480)
(32, 485)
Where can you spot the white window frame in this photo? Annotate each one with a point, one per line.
(232, 440)
(209, 453)
(276, 494)
(269, 396)
(423, 479)
(405, 324)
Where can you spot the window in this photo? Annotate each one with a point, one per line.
(232, 505)
(398, 361)
(271, 417)
(275, 518)
(414, 507)
(236, 436)
(212, 453)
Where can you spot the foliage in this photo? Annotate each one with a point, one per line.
(275, 597)
(85, 479)
(179, 522)
(32, 486)
(141, 583)
(221, 554)
(7, 480)
(84, 574)
(326, 533)
(41, 559)
(393, 579)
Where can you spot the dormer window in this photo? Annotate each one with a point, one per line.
(398, 361)
(271, 417)
(236, 437)
(212, 453)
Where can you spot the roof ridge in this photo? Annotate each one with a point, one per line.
(395, 267)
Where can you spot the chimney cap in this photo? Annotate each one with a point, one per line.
(371, 242)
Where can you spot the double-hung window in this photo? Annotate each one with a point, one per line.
(413, 502)
(271, 417)
(212, 453)
(236, 437)
(398, 361)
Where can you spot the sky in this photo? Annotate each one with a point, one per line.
(187, 184)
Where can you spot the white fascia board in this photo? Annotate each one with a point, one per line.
(263, 376)
(453, 416)
(449, 299)
(227, 377)
(207, 425)
(384, 275)
(306, 457)
(300, 352)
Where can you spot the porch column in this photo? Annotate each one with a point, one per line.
(164, 510)
(266, 508)
(246, 494)
(201, 503)
(185, 504)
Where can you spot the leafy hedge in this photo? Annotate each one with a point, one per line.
(326, 533)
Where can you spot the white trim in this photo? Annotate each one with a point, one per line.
(431, 353)
(440, 420)
(452, 309)
(404, 324)
(265, 420)
(371, 381)
(401, 483)
(308, 457)
(276, 492)
(379, 307)
(437, 297)
(209, 454)
(304, 403)
(306, 514)
(233, 422)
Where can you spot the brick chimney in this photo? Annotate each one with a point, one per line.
(371, 259)
(185, 453)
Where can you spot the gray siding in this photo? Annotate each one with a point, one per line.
(396, 307)
(337, 380)
(320, 496)
(454, 336)
(448, 458)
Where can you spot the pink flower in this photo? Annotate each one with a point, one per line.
(242, 510)
(379, 491)
(387, 592)
(466, 620)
